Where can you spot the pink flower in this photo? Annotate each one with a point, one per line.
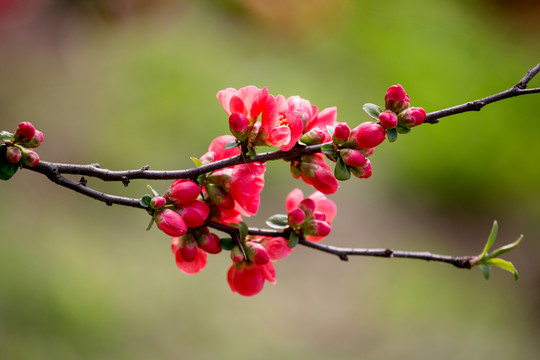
(170, 222)
(247, 279)
(188, 267)
(217, 151)
(326, 117)
(248, 101)
(276, 247)
(368, 135)
(25, 132)
(396, 99)
(183, 191)
(314, 171)
(279, 126)
(246, 186)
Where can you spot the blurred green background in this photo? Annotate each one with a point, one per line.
(132, 82)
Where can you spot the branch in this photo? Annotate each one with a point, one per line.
(518, 89)
(462, 262)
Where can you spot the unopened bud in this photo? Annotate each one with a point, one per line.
(236, 254)
(295, 171)
(183, 191)
(194, 213)
(36, 140)
(396, 99)
(158, 202)
(317, 228)
(188, 248)
(308, 206)
(170, 222)
(319, 215)
(296, 217)
(313, 137)
(219, 196)
(239, 126)
(25, 132)
(341, 133)
(256, 253)
(362, 172)
(368, 135)
(412, 117)
(352, 157)
(30, 158)
(388, 119)
(13, 154)
(209, 242)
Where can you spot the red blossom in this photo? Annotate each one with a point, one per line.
(188, 267)
(247, 279)
(170, 222)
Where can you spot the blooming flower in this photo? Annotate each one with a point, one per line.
(247, 278)
(188, 267)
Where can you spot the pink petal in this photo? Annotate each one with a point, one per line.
(293, 199)
(269, 117)
(217, 146)
(224, 97)
(189, 267)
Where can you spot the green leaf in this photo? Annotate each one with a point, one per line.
(491, 239)
(6, 136)
(7, 168)
(403, 129)
(330, 129)
(503, 264)
(328, 149)
(372, 110)
(242, 230)
(196, 161)
(145, 201)
(231, 144)
(251, 153)
(486, 269)
(293, 240)
(342, 171)
(227, 243)
(392, 134)
(150, 224)
(278, 221)
(201, 179)
(504, 249)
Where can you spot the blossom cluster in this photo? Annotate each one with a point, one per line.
(225, 196)
(18, 149)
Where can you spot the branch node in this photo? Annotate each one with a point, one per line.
(83, 181)
(343, 257)
(477, 105)
(108, 203)
(125, 181)
(96, 165)
(145, 167)
(389, 253)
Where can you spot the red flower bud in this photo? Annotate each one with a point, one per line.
(412, 117)
(296, 217)
(341, 133)
(35, 141)
(388, 119)
(236, 254)
(25, 132)
(13, 154)
(183, 191)
(219, 196)
(256, 253)
(194, 213)
(362, 171)
(188, 247)
(368, 135)
(319, 215)
(308, 206)
(209, 242)
(30, 158)
(317, 228)
(313, 137)
(239, 126)
(396, 99)
(352, 157)
(170, 222)
(158, 202)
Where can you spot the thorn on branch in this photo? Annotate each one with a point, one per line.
(83, 181)
(145, 167)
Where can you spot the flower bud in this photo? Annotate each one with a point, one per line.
(256, 253)
(388, 119)
(368, 135)
(396, 99)
(341, 133)
(30, 158)
(367, 152)
(236, 254)
(362, 171)
(25, 132)
(219, 196)
(319, 215)
(317, 228)
(183, 191)
(313, 137)
(239, 126)
(308, 206)
(188, 248)
(194, 213)
(295, 171)
(209, 242)
(296, 217)
(36, 140)
(170, 222)
(352, 157)
(13, 154)
(412, 117)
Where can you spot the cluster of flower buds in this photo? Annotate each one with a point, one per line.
(18, 149)
(310, 217)
(398, 111)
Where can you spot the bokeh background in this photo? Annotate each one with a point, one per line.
(132, 82)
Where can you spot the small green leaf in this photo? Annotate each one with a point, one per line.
(6, 136)
(201, 179)
(486, 269)
(342, 171)
(145, 201)
(251, 153)
(330, 129)
(403, 129)
(150, 224)
(7, 168)
(392, 134)
(491, 239)
(227, 243)
(293, 240)
(372, 110)
(196, 161)
(504, 249)
(328, 149)
(152, 190)
(231, 144)
(278, 221)
(242, 230)
(503, 264)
